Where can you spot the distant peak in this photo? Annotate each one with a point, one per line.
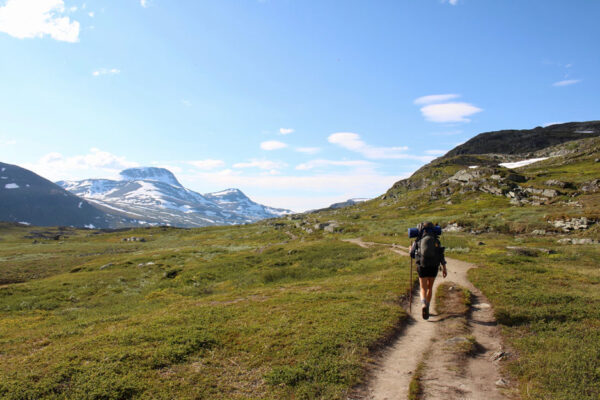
(150, 174)
(227, 192)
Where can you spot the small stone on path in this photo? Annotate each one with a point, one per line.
(501, 383)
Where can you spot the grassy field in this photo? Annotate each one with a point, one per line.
(239, 312)
(273, 310)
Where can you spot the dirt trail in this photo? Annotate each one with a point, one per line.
(393, 371)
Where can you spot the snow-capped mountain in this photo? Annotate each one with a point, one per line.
(233, 200)
(154, 196)
(28, 198)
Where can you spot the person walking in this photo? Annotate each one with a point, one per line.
(429, 255)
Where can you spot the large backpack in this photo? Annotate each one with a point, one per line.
(429, 251)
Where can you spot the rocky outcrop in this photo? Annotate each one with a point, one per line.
(591, 187)
(577, 241)
(573, 224)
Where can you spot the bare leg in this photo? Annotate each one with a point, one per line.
(423, 286)
(429, 293)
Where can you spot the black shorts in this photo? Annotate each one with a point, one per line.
(427, 272)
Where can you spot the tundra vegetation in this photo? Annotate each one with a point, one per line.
(286, 309)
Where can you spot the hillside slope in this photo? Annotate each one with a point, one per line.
(526, 140)
(29, 198)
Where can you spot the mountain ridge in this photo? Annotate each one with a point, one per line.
(154, 196)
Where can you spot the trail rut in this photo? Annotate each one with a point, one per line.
(394, 369)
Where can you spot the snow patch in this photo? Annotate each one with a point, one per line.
(89, 226)
(24, 223)
(11, 186)
(522, 163)
(3, 169)
(474, 166)
(80, 204)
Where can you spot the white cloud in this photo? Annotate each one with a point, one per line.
(352, 141)
(449, 112)
(261, 164)
(37, 18)
(285, 131)
(272, 145)
(435, 98)
(96, 163)
(331, 163)
(308, 150)
(207, 164)
(451, 2)
(186, 103)
(436, 152)
(106, 71)
(566, 82)
(9, 142)
(91, 14)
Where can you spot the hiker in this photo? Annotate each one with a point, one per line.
(429, 254)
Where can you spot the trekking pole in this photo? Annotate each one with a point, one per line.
(410, 284)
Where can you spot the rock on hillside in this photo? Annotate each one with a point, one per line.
(28, 198)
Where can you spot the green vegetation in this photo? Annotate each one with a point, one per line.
(415, 387)
(238, 312)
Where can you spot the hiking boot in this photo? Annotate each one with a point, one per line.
(425, 312)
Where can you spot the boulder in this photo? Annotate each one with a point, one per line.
(454, 227)
(557, 183)
(516, 178)
(591, 187)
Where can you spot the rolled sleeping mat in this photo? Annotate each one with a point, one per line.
(414, 232)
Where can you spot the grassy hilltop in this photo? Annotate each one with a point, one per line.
(287, 309)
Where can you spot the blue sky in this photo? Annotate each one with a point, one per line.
(297, 103)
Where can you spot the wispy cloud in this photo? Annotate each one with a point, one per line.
(332, 163)
(261, 164)
(435, 98)
(96, 163)
(436, 152)
(285, 131)
(566, 82)
(144, 3)
(451, 2)
(10, 142)
(437, 108)
(308, 150)
(272, 145)
(449, 112)
(24, 19)
(106, 71)
(352, 141)
(207, 164)
(186, 103)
